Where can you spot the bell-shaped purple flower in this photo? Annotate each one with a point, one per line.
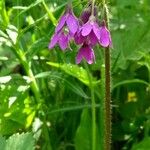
(69, 23)
(69, 20)
(105, 37)
(87, 53)
(91, 31)
(61, 39)
(78, 38)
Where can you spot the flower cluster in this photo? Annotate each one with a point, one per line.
(86, 32)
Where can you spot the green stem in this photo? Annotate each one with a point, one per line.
(50, 14)
(26, 66)
(3, 13)
(102, 108)
(93, 108)
(93, 4)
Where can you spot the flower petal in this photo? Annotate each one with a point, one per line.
(96, 30)
(53, 41)
(86, 29)
(104, 37)
(78, 38)
(72, 23)
(93, 40)
(85, 52)
(85, 15)
(63, 41)
(61, 23)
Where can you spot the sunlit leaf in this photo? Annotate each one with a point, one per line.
(78, 72)
(22, 141)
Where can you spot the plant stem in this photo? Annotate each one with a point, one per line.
(107, 100)
(93, 4)
(102, 108)
(26, 66)
(50, 14)
(93, 108)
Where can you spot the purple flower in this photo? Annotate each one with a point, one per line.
(69, 20)
(61, 39)
(62, 36)
(78, 38)
(91, 31)
(85, 15)
(105, 38)
(87, 53)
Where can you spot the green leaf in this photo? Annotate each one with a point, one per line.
(2, 34)
(143, 145)
(5, 79)
(136, 81)
(2, 143)
(36, 47)
(12, 32)
(24, 141)
(35, 3)
(75, 71)
(83, 135)
(71, 85)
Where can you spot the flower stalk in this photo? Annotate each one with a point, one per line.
(93, 5)
(107, 99)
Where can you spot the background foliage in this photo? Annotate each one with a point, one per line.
(45, 93)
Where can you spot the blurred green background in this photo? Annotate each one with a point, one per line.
(45, 96)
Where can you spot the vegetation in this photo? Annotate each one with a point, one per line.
(46, 98)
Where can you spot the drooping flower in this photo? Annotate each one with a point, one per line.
(86, 32)
(91, 31)
(105, 37)
(87, 53)
(61, 39)
(78, 38)
(69, 20)
(65, 30)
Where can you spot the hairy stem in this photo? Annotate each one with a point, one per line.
(107, 102)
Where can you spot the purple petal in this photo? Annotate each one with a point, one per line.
(93, 39)
(85, 15)
(53, 41)
(96, 30)
(63, 41)
(71, 34)
(78, 38)
(110, 41)
(85, 52)
(61, 23)
(72, 23)
(104, 37)
(86, 29)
